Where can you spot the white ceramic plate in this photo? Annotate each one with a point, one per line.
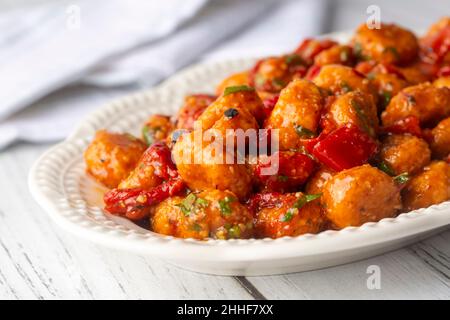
(59, 184)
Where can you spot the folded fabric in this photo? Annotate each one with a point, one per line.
(48, 47)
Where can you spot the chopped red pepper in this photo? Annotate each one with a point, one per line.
(263, 200)
(134, 204)
(444, 72)
(344, 148)
(269, 104)
(310, 48)
(410, 125)
(313, 71)
(435, 47)
(290, 170)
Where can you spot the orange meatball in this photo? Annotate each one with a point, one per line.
(431, 186)
(296, 114)
(404, 153)
(359, 195)
(341, 79)
(292, 216)
(244, 98)
(111, 156)
(440, 139)
(318, 180)
(442, 82)
(389, 44)
(354, 107)
(272, 74)
(424, 101)
(237, 79)
(338, 54)
(193, 107)
(209, 214)
(157, 128)
(203, 165)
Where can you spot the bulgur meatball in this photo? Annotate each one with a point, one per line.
(112, 156)
(389, 44)
(354, 107)
(424, 101)
(338, 54)
(157, 128)
(404, 153)
(440, 139)
(359, 195)
(272, 74)
(293, 215)
(296, 113)
(342, 79)
(193, 107)
(209, 214)
(318, 180)
(442, 82)
(431, 186)
(238, 98)
(237, 79)
(202, 166)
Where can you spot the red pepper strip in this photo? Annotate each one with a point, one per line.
(134, 204)
(444, 72)
(344, 148)
(439, 45)
(310, 48)
(159, 156)
(269, 104)
(313, 71)
(263, 200)
(291, 169)
(309, 144)
(410, 125)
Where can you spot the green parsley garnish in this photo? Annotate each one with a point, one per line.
(362, 117)
(283, 178)
(277, 82)
(386, 168)
(402, 178)
(304, 199)
(192, 203)
(230, 90)
(303, 132)
(294, 59)
(393, 51)
(387, 95)
(344, 55)
(149, 134)
(358, 51)
(346, 87)
(234, 232)
(224, 205)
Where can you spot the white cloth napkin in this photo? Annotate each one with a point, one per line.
(111, 54)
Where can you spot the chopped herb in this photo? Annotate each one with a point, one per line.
(394, 51)
(386, 168)
(149, 134)
(346, 87)
(231, 113)
(304, 199)
(402, 178)
(387, 95)
(410, 99)
(192, 203)
(234, 232)
(224, 205)
(344, 55)
(230, 90)
(283, 178)
(294, 59)
(260, 80)
(196, 227)
(358, 51)
(289, 215)
(303, 132)
(277, 82)
(362, 117)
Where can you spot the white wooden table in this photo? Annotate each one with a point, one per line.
(40, 261)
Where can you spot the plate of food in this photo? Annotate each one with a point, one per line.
(334, 152)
